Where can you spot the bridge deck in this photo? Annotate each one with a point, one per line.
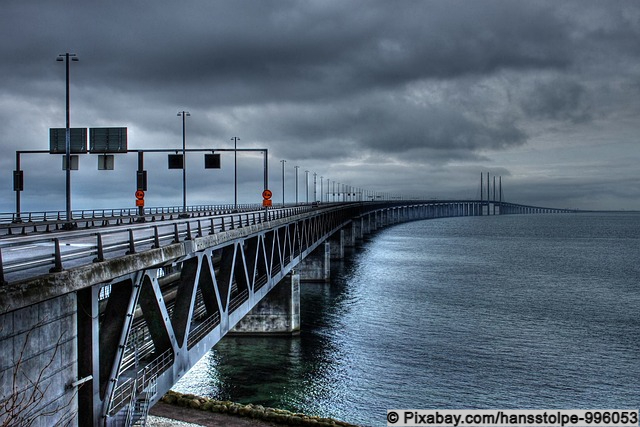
(152, 298)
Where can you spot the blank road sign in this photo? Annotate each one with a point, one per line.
(108, 140)
(58, 140)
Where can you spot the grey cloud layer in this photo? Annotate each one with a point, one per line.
(422, 82)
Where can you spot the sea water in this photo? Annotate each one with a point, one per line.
(499, 312)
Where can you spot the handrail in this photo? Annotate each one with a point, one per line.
(110, 213)
(70, 249)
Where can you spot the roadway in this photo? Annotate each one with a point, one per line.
(38, 252)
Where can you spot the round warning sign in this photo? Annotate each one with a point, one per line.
(139, 194)
(266, 194)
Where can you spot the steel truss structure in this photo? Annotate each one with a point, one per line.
(140, 333)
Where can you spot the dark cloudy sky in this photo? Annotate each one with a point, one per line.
(414, 98)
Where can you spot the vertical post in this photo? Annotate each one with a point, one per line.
(67, 149)
(184, 115)
(306, 177)
(315, 196)
(266, 169)
(494, 194)
(321, 188)
(88, 355)
(184, 164)
(283, 162)
(328, 181)
(296, 168)
(18, 190)
(488, 192)
(481, 192)
(140, 173)
(494, 188)
(235, 172)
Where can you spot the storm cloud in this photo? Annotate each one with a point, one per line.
(422, 91)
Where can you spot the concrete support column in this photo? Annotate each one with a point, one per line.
(337, 244)
(350, 234)
(88, 321)
(277, 313)
(367, 224)
(316, 266)
(358, 228)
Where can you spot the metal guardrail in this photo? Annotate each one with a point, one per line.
(97, 214)
(26, 256)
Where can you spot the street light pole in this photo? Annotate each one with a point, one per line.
(296, 168)
(235, 140)
(184, 115)
(67, 150)
(321, 187)
(306, 177)
(328, 181)
(283, 162)
(315, 196)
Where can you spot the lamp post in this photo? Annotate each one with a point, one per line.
(321, 187)
(296, 168)
(67, 146)
(315, 196)
(328, 181)
(283, 162)
(306, 177)
(184, 213)
(235, 140)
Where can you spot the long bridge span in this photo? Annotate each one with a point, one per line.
(97, 323)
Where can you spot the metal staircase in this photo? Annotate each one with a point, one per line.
(139, 406)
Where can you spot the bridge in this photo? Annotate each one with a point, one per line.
(98, 322)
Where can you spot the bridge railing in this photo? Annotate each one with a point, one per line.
(25, 256)
(97, 214)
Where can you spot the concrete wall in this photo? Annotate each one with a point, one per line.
(38, 363)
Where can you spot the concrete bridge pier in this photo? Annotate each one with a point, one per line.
(316, 266)
(337, 242)
(277, 313)
(350, 235)
(358, 229)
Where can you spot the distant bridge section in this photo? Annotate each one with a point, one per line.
(101, 321)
